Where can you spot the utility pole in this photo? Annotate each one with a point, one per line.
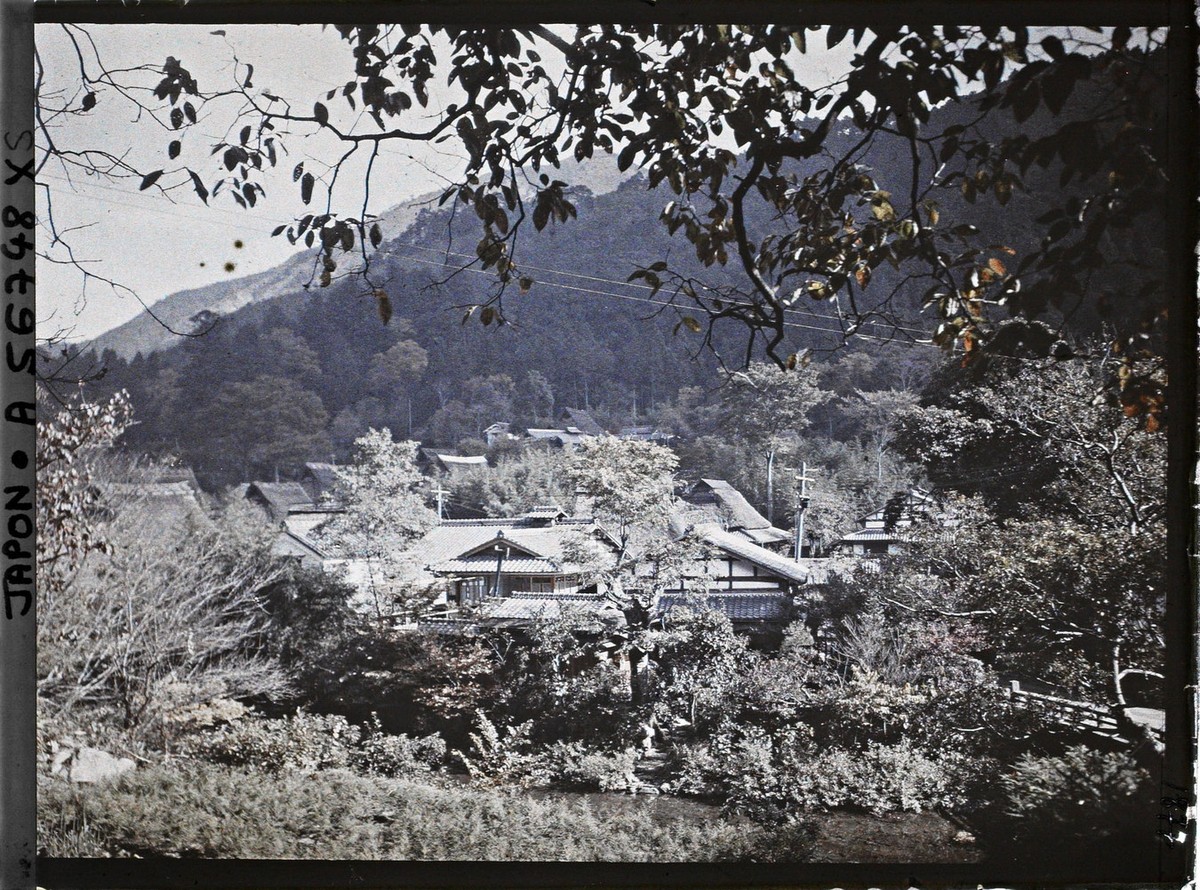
(440, 493)
(801, 509)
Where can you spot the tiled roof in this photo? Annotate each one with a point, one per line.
(730, 542)
(528, 608)
(453, 539)
(740, 606)
(549, 511)
(868, 534)
(482, 565)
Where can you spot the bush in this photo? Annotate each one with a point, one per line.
(397, 755)
(201, 809)
(300, 742)
(748, 769)
(882, 779)
(575, 766)
(502, 756)
(1081, 796)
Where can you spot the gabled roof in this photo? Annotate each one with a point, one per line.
(578, 417)
(717, 500)
(321, 478)
(279, 497)
(500, 542)
(454, 546)
(739, 546)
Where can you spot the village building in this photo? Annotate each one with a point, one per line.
(278, 499)
(572, 437)
(320, 481)
(582, 420)
(646, 434)
(759, 590)
(499, 432)
(441, 462)
(882, 532)
(723, 504)
(170, 494)
(515, 569)
(577, 426)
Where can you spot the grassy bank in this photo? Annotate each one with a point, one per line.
(194, 809)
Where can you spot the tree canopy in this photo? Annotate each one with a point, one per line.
(770, 170)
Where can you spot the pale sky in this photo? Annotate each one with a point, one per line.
(156, 245)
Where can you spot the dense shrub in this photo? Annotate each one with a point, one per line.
(201, 809)
(299, 742)
(502, 755)
(776, 779)
(397, 755)
(573, 765)
(1082, 795)
(882, 779)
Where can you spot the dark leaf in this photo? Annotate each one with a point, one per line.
(149, 179)
(1056, 88)
(306, 187)
(89, 102)
(298, 172)
(190, 111)
(199, 186)
(376, 235)
(321, 113)
(244, 137)
(625, 158)
(174, 148)
(176, 118)
(249, 74)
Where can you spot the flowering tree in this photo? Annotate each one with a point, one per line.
(384, 513)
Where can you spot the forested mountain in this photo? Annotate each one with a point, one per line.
(290, 372)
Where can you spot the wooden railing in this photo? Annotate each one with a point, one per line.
(1086, 716)
(1063, 710)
